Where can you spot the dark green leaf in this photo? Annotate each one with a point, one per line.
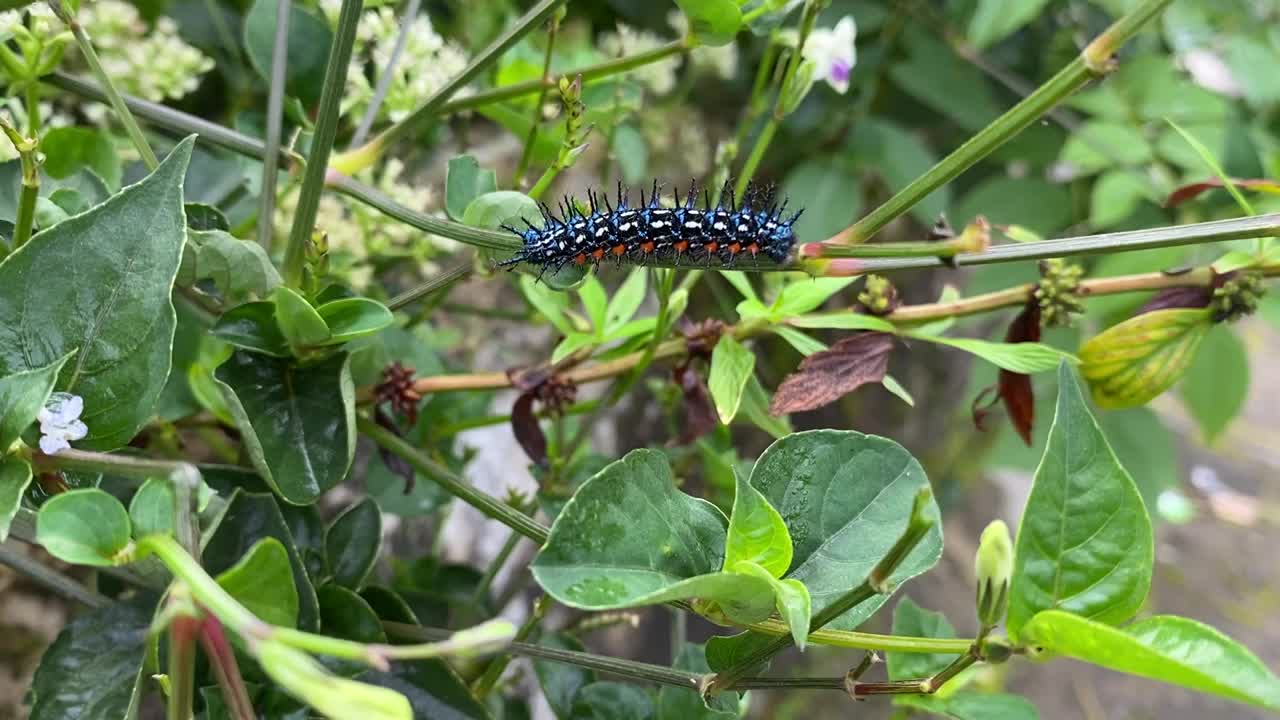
(253, 327)
(846, 498)
(464, 182)
(99, 283)
(89, 670)
(1042, 207)
(1084, 544)
(1168, 648)
(433, 689)
(202, 216)
(84, 527)
(561, 682)
(248, 518)
(22, 396)
(912, 620)
(352, 543)
(308, 52)
(899, 157)
(262, 581)
(240, 269)
(298, 423)
(15, 476)
(299, 322)
(612, 701)
(67, 149)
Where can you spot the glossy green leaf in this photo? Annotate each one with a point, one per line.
(843, 321)
(1084, 544)
(595, 302)
(262, 581)
(352, 543)
(298, 423)
(100, 283)
(151, 511)
(560, 682)
(1131, 363)
(1217, 383)
(84, 527)
(464, 181)
(308, 50)
(714, 22)
(247, 519)
(804, 343)
(626, 301)
(253, 327)
(629, 538)
(846, 498)
(612, 701)
(351, 318)
(790, 598)
(1021, 357)
(732, 365)
(1171, 649)
(680, 704)
(240, 269)
(67, 149)
(912, 620)
(994, 20)
(757, 533)
(22, 396)
(502, 207)
(89, 670)
(434, 690)
(299, 322)
(15, 476)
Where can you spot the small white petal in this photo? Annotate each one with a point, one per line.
(77, 430)
(51, 444)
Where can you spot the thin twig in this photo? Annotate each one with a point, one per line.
(49, 578)
(274, 120)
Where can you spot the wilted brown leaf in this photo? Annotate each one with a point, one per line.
(826, 376)
(527, 429)
(1014, 389)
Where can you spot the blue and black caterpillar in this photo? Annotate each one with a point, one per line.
(650, 231)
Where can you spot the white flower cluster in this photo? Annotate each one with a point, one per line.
(426, 63)
(155, 64)
(660, 76)
(42, 21)
(60, 422)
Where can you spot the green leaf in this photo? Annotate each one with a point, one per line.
(463, 182)
(67, 149)
(626, 301)
(912, 620)
(308, 51)
(755, 408)
(732, 364)
(1022, 357)
(299, 433)
(352, 543)
(509, 207)
(1172, 649)
(262, 581)
(899, 156)
(1099, 145)
(15, 476)
(680, 704)
(742, 284)
(804, 343)
(22, 396)
(801, 296)
(829, 205)
(1211, 162)
(1040, 206)
(352, 318)
(995, 20)
(84, 527)
(612, 701)
(560, 682)
(629, 538)
(89, 670)
(846, 499)
(757, 533)
(791, 598)
(299, 322)
(433, 689)
(151, 511)
(248, 518)
(1217, 383)
(552, 305)
(1116, 195)
(966, 705)
(714, 22)
(891, 384)
(240, 269)
(1131, 363)
(100, 283)
(303, 677)
(1084, 544)
(843, 321)
(571, 343)
(632, 153)
(595, 301)
(253, 327)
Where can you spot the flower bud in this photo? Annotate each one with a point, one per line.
(1238, 296)
(797, 87)
(993, 567)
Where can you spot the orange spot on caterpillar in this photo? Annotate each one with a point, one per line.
(711, 246)
(647, 247)
(598, 253)
(681, 245)
(753, 248)
(581, 259)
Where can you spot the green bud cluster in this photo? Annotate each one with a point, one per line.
(1237, 297)
(1057, 292)
(878, 296)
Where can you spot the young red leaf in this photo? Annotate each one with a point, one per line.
(528, 432)
(1014, 389)
(826, 376)
(1187, 192)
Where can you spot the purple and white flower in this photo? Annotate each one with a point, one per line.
(833, 53)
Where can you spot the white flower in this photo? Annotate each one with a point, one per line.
(660, 76)
(60, 422)
(834, 53)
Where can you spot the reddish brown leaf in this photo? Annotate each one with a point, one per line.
(699, 412)
(528, 432)
(1013, 389)
(1179, 297)
(826, 376)
(1188, 192)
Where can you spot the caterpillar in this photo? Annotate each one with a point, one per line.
(650, 230)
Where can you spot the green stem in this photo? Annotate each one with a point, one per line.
(109, 89)
(498, 665)
(488, 505)
(204, 588)
(870, 641)
(32, 95)
(27, 148)
(1093, 62)
(275, 114)
(361, 157)
(481, 593)
(335, 76)
(432, 285)
(1193, 234)
(526, 155)
(923, 686)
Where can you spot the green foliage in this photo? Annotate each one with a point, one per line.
(262, 581)
(90, 670)
(308, 47)
(86, 527)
